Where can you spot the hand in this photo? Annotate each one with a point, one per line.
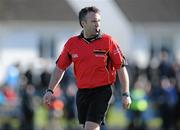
(48, 97)
(126, 101)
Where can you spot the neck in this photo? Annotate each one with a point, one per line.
(86, 35)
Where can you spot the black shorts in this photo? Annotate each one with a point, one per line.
(92, 104)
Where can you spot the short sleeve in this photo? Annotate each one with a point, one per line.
(64, 59)
(116, 55)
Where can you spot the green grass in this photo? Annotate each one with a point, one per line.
(154, 123)
(116, 117)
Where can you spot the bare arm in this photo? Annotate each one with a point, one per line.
(124, 80)
(56, 77)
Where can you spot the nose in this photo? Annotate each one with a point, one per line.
(97, 24)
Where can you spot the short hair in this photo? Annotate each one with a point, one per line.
(84, 11)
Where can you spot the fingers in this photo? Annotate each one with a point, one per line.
(126, 105)
(126, 102)
(47, 99)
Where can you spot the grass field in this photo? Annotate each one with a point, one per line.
(116, 118)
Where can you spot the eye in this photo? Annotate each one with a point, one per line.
(96, 21)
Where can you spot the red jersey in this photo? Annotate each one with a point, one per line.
(95, 62)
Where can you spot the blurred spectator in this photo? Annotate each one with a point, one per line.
(176, 67)
(13, 76)
(44, 80)
(2, 98)
(10, 95)
(29, 75)
(56, 110)
(165, 68)
(167, 100)
(70, 106)
(27, 107)
(139, 106)
(152, 71)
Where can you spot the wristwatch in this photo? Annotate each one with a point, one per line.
(49, 90)
(126, 94)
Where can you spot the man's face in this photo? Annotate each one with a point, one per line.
(91, 24)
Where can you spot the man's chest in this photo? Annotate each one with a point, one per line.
(91, 52)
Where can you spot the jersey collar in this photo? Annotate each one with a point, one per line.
(99, 36)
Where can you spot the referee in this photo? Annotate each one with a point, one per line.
(97, 58)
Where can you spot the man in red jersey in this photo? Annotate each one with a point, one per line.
(97, 58)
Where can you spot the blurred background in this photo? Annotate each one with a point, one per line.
(32, 34)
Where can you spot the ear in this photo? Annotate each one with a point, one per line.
(83, 23)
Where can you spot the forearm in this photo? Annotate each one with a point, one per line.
(56, 77)
(124, 79)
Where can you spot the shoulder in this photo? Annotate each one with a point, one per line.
(106, 36)
(71, 40)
